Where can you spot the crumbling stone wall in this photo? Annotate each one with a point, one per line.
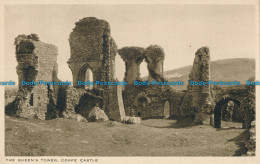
(133, 57)
(243, 97)
(80, 101)
(197, 100)
(92, 47)
(147, 101)
(36, 61)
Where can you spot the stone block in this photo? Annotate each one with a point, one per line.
(131, 120)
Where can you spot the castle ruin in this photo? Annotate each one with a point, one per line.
(93, 51)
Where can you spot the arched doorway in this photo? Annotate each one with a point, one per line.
(142, 105)
(224, 110)
(167, 111)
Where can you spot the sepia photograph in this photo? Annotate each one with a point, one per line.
(84, 81)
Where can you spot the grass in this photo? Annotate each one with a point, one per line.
(154, 137)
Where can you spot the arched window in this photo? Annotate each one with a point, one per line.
(89, 78)
(167, 111)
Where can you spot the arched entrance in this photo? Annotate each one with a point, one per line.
(225, 110)
(167, 111)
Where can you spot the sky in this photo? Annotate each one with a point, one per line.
(228, 31)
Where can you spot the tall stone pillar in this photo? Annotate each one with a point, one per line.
(197, 102)
(200, 70)
(133, 57)
(154, 56)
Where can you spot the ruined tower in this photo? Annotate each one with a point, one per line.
(197, 100)
(92, 47)
(37, 61)
(154, 56)
(133, 57)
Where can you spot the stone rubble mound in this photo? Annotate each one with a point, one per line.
(97, 114)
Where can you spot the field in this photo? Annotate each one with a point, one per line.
(154, 137)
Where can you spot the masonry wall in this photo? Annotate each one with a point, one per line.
(37, 61)
(92, 47)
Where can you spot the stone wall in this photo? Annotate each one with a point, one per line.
(242, 96)
(251, 143)
(147, 101)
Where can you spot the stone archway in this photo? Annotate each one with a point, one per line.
(141, 103)
(86, 74)
(218, 111)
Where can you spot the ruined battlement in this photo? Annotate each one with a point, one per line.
(133, 57)
(154, 56)
(87, 39)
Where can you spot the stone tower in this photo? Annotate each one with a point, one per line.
(92, 47)
(37, 61)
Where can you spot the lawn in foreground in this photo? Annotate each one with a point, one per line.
(155, 137)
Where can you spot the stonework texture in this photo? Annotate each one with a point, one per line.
(197, 102)
(36, 61)
(92, 47)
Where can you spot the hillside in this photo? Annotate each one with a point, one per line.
(239, 69)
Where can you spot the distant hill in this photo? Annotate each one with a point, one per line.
(239, 69)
